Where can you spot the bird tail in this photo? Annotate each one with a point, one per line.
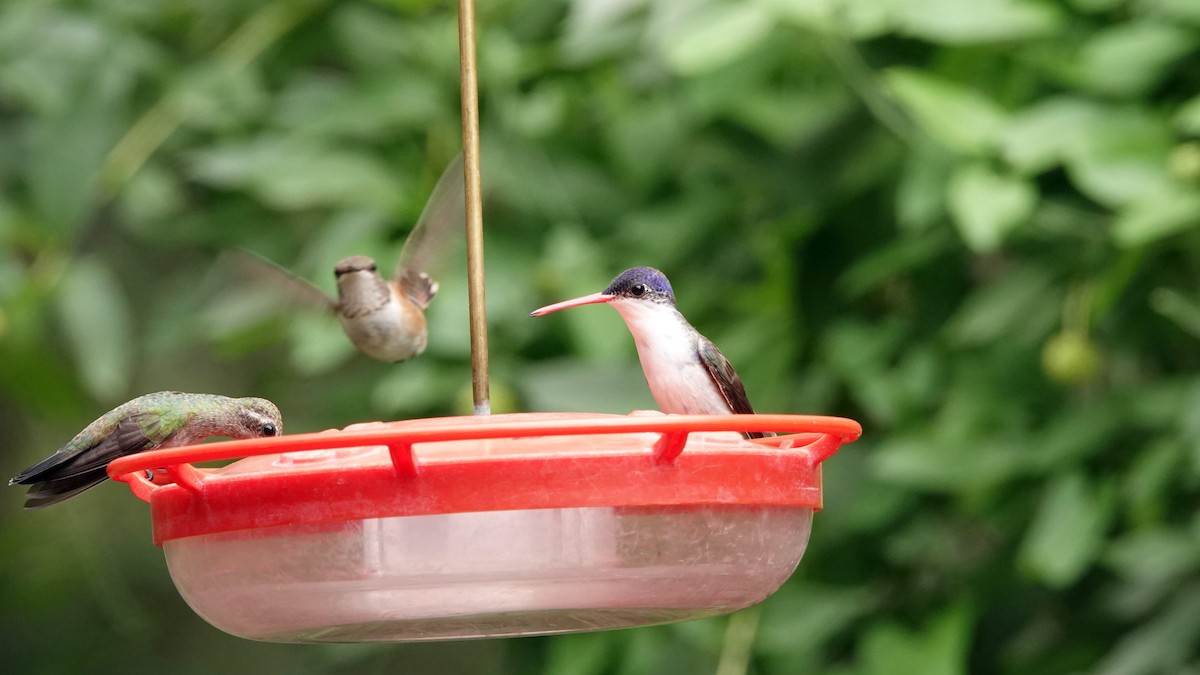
(46, 469)
(418, 287)
(58, 477)
(55, 490)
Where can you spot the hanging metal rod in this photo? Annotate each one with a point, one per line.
(471, 173)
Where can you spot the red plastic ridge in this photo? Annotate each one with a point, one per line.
(627, 472)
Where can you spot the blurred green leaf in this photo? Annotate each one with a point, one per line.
(1021, 305)
(42, 381)
(649, 651)
(645, 136)
(955, 115)
(1068, 531)
(70, 144)
(326, 105)
(887, 263)
(713, 35)
(1154, 216)
(409, 390)
(921, 194)
(1122, 158)
(98, 324)
(1183, 11)
(1160, 555)
(801, 618)
(1163, 644)
(370, 37)
(988, 206)
(150, 196)
(946, 466)
(293, 173)
(1187, 117)
(599, 28)
(1096, 6)
(555, 386)
(646, 229)
(789, 116)
(938, 648)
(1164, 402)
(824, 15)
(859, 20)
(539, 114)
(1075, 435)
(581, 654)
(1188, 422)
(860, 355)
(1184, 311)
(1131, 58)
(952, 22)
(218, 96)
(318, 343)
(1043, 135)
(856, 501)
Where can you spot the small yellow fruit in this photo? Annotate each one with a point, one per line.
(1070, 358)
(1184, 162)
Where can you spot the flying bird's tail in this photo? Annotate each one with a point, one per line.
(418, 287)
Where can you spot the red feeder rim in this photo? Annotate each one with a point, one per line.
(486, 463)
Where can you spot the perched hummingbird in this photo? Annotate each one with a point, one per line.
(162, 420)
(686, 372)
(385, 318)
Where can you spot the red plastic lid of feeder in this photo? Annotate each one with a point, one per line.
(498, 462)
(487, 526)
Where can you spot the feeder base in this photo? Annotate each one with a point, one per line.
(489, 574)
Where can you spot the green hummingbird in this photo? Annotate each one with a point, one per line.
(161, 420)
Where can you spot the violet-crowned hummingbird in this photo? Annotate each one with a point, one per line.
(686, 372)
(385, 318)
(161, 420)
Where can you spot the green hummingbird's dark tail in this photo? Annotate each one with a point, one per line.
(46, 492)
(59, 463)
(56, 478)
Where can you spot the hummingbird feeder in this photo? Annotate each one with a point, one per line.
(486, 525)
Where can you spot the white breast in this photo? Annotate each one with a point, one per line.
(667, 347)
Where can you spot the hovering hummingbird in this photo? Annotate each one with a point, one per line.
(161, 420)
(686, 372)
(385, 318)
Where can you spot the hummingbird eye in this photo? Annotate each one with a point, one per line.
(638, 290)
(269, 429)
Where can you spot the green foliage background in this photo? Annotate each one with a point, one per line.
(972, 226)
